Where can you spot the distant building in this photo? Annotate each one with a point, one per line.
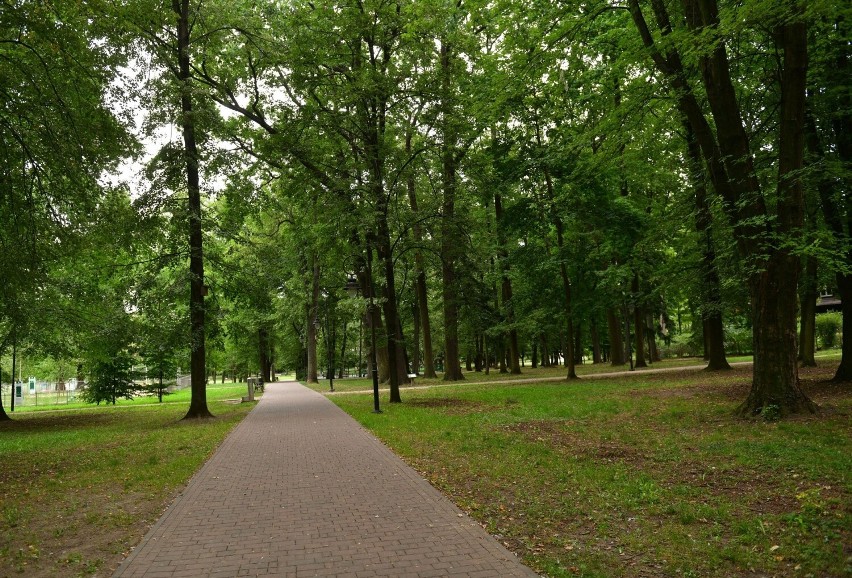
(826, 303)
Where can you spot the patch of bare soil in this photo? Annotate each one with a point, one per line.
(733, 386)
(450, 405)
(751, 492)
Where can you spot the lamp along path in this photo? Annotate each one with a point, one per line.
(301, 489)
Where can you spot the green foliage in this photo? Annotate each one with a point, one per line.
(738, 340)
(110, 379)
(828, 329)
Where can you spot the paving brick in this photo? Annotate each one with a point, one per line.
(300, 489)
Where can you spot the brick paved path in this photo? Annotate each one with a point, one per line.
(300, 489)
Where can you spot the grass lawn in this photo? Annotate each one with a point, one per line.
(644, 475)
(78, 488)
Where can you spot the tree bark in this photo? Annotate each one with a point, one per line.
(711, 306)
(807, 324)
(563, 272)
(506, 288)
(450, 242)
(198, 367)
(616, 341)
(638, 323)
(596, 344)
(731, 169)
(311, 321)
(3, 415)
(415, 339)
(773, 290)
(264, 358)
(834, 214)
(420, 287)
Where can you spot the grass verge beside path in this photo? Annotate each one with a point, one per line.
(79, 488)
(646, 475)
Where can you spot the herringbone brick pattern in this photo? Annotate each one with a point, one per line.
(300, 489)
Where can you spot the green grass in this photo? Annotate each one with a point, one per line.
(78, 488)
(640, 475)
(214, 392)
(356, 384)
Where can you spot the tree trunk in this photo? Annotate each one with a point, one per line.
(775, 367)
(833, 213)
(198, 366)
(263, 350)
(711, 306)
(373, 321)
(807, 325)
(3, 415)
(578, 345)
(731, 169)
(450, 243)
(415, 345)
(773, 291)
(653, 350)
(311, 321)
(563, 270)
(596, 344)
(844, 371)
(638, 323)
(506, 288)
(616, 342)
(420, 288)
(534, 360)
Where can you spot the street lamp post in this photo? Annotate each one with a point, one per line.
(352, 289)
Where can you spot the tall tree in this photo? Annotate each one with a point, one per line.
(727, 152)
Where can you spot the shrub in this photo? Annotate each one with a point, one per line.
(110, 379)
(828, 327)
(738, 340)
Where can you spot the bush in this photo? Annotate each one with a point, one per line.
(828, 326)
(110, 379)
(738, 340)
(681, 346)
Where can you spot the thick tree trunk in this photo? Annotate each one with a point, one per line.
(807, 324)
(3, 415)
(563, 272)
(420, 288)
(578, 344)
(616, 341)
(773, 294)
(373, 322)
(653, 350)
(731, 169)
(844, 371)
(415, 345)
(263, 350)
(450, 242)
(711, 306)
(506, 288)
(546, 360)
(198, 367)
(638, 324)
(534, 360)
(596, 344)
(834, 213)
(311, 321)
(773, 291)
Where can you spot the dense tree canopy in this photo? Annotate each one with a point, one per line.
(548, 181)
